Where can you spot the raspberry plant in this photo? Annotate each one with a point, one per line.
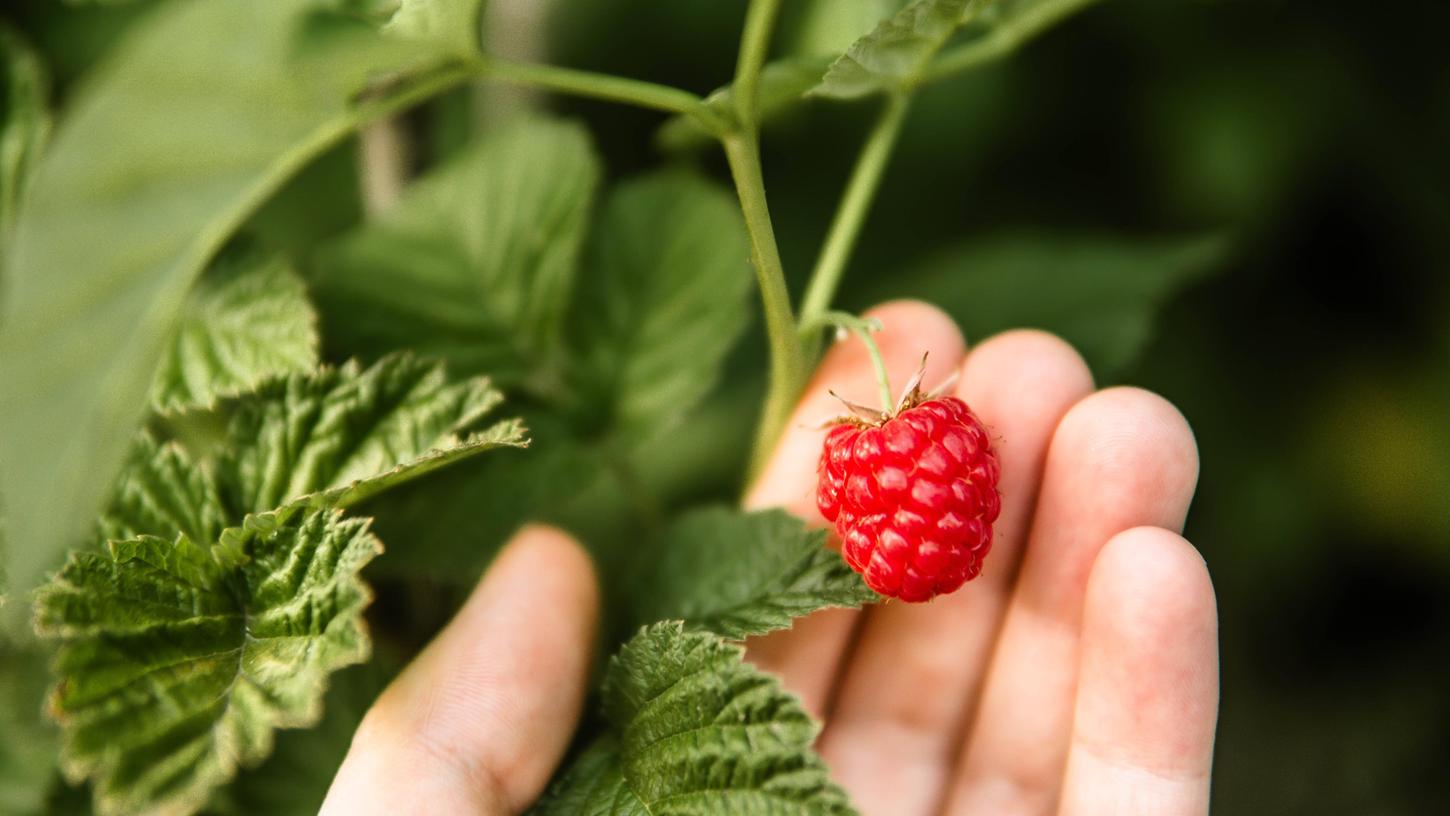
(221, 404)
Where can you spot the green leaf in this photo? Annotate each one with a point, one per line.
(295, 778)
(28, 744)
(1000, 28)
(200, 112)
(1099, 293)
(25, 122)
(896, 54)
(665, 300)
(162, 493)
(456, 24)
(247, 320)
(178, 661)
(340, 435)
(739, 574)
(696, 730)
(476, 264)
(783, 83)
(828, 27)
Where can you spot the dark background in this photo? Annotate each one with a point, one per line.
(1312, 357)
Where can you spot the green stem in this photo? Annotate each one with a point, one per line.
(851, 213)
(601, 86)
(862, 328)
(754, 45)
(787, 357)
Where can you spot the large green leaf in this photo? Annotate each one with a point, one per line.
(897, 52)
(24, 123)
(696, 730)
(197, 115)
(247, 320)
(28, 743)
(1100, 293)
(740, 574)
(664, 302)
(340, 435)
(476, 264)
(178, 660)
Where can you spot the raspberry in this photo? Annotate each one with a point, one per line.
(912, 497)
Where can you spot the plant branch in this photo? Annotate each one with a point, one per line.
(754, 46)
(601, 86)
(787, 357)
(851, 214)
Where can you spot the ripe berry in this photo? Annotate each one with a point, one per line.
(912, 497)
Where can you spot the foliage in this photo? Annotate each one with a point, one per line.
(304, 398)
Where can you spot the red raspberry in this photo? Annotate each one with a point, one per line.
(913, 498)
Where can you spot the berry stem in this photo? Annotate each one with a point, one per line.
(863, 327)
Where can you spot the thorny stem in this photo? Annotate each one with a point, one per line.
(851, 215)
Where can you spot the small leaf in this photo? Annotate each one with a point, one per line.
(695, 729)
(1100, 293)
(476, 264)
(897, 53)
(340, 435)
(246, 320)
(196, 116)
(783, 84)
(456, 24)
(25, 122)
(740, 574)
(178, 660)
(665, 301)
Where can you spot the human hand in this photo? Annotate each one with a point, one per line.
(1078, 674)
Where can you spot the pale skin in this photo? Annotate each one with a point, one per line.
(1077, 675)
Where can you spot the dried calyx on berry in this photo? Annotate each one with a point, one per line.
(912, 493)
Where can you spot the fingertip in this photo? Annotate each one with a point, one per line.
(1135, 448)
(1150, 630)
(1149, 577)
(551, 555)
(1031, 359)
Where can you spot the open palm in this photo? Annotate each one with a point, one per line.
(1079, 673)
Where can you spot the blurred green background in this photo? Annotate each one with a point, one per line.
(1242, 205)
